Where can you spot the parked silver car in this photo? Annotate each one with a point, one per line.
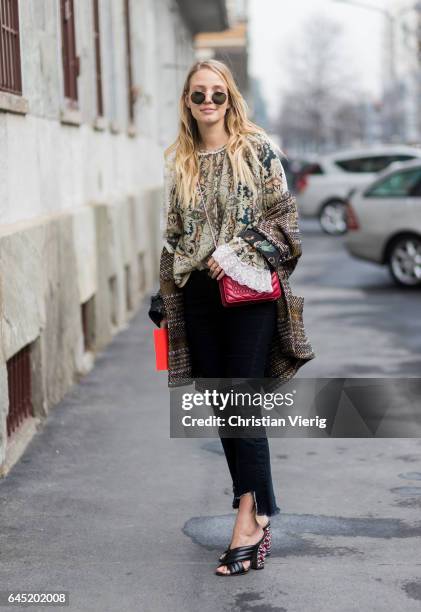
(323, 185)
(384, 222)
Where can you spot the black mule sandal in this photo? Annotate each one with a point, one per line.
(268, 542)
(255, 553)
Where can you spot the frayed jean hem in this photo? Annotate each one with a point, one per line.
(261, 509)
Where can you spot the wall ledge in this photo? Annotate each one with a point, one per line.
(12, 103)
(70, 116)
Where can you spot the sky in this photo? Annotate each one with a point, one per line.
(275, 24)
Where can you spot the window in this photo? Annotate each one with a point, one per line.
(10, 69)
(128, 287)
(416, 190)
(312, 169)
(399, 184)
(370, 164)
(112, 288)
(402, 158)
(88, 323)
(130, 91)
(98, 66)
(142, 271)
(19, 388)
(70, 59)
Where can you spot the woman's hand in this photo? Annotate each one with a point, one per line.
(215, 269)
(164, 323)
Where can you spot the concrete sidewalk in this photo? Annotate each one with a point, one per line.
(104, 505)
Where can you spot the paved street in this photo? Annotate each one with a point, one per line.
(104, 505)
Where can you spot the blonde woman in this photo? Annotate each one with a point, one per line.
(243, 184)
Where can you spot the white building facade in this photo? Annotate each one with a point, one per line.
(402, 71)
(88, 101)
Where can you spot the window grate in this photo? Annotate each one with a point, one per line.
(128, 287)
(130, 90)
(112, 286)
(142, 271)
(98, 65)
(19, 386)
(88, 326)
(70, 59)
(10, 66)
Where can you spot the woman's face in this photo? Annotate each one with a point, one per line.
(208, 82)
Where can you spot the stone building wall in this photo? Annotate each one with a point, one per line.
(80, 195)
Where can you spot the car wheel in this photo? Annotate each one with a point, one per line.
(332, 218)
(405, 261)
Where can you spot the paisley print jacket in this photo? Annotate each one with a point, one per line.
(264, 236)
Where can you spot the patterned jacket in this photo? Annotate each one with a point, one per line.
(277, 237)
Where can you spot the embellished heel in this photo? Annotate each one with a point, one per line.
(258, 560)
(268, 540)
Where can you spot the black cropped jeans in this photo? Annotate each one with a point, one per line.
(233, 343)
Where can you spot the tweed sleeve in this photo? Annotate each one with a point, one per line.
(171, 229)
(170, 222)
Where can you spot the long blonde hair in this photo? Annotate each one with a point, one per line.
(238, 126)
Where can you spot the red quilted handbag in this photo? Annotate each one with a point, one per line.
(235, 294)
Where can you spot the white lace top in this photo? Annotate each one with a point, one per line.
(186, 231)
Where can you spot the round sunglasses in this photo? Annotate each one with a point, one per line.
(218, 97)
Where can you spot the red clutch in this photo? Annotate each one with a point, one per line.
(161, 348)
(234, 294)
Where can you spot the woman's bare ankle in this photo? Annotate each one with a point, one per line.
(262, 519)
(247, 531)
